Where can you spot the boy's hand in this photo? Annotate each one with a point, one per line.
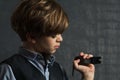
(87, 71)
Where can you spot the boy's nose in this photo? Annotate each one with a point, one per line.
(59, 38)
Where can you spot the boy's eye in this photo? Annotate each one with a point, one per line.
(53, 36)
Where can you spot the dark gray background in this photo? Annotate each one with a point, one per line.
(94, 28)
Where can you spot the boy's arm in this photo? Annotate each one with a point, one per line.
(6, 72)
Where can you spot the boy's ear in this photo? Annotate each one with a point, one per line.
(30, 38)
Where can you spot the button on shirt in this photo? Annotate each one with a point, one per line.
(36, 59)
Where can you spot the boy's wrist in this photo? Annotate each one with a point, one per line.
(88, 76)
(88, 79)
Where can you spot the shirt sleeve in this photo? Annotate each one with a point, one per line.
(6, 72)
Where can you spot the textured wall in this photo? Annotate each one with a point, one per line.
(94, 28)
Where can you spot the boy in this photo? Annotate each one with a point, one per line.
(39, 24)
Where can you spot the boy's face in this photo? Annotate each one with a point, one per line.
(48, 44)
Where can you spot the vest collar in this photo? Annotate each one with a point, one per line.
(37, 56)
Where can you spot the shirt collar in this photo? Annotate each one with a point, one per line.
(36, 56)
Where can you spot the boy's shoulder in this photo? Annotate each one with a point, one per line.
(13, 59)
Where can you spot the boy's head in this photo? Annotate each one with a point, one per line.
(38, 18)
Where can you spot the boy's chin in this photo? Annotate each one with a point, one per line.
(53, 52)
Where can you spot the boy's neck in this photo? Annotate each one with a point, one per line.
(30, 48)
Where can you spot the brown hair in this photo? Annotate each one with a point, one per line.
(39, 18)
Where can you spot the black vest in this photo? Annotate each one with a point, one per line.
(24, 70)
